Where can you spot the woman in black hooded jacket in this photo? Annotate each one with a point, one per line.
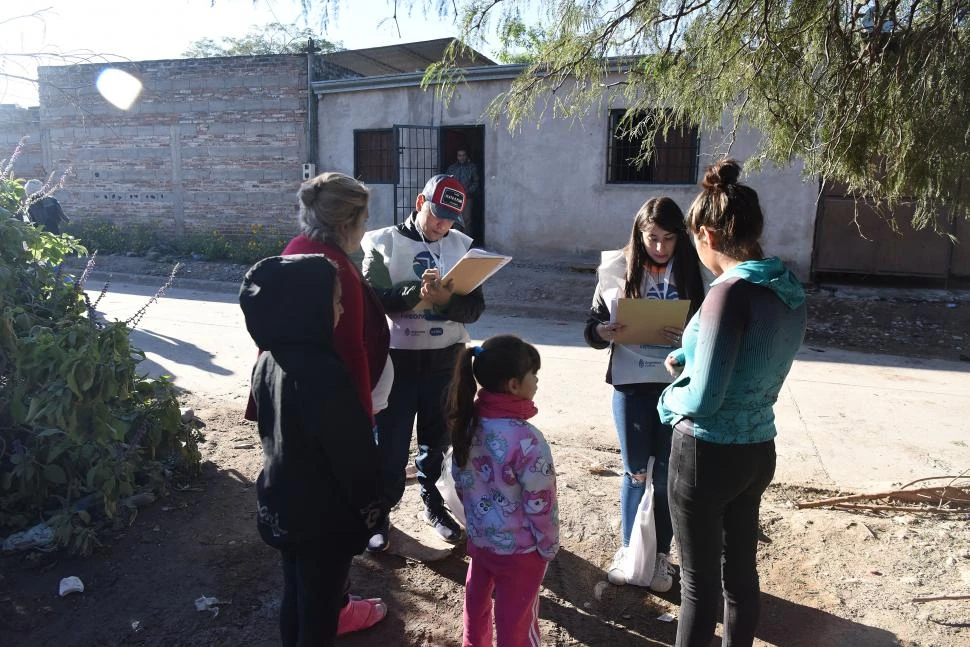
(317, 494)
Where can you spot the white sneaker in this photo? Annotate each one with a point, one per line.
(443, 523)
(663, 574)
(615, 572)
(380, 540)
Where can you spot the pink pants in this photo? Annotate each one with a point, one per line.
(515, 580)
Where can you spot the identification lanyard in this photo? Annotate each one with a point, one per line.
(652, 282)
(435, 258)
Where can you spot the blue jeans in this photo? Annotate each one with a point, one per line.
(410, 397)
(715, 496)
(642, 435)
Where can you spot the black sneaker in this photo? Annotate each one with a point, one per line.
(380, 540)
(443, 523)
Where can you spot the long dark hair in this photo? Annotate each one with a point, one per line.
(730, 208)
(664, 213)
(500, 359)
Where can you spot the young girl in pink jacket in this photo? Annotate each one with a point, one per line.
(505, 478)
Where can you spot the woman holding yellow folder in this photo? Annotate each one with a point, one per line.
(659, 262)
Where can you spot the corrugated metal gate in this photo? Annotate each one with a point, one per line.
(840, 249)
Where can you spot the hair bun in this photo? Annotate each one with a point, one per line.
(308, 192)
(721, 174)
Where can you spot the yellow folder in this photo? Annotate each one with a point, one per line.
(471, 270)
(474, 268)
(645, 319)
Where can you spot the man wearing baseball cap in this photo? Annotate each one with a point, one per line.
(405, 264)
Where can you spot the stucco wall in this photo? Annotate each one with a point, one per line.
(212, 144)
(545, 190)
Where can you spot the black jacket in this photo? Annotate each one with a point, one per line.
(598, 314)
(320, 465)
(47, 213)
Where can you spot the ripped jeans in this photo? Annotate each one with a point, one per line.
(641, 436)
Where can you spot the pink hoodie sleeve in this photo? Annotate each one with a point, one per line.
(537, 476)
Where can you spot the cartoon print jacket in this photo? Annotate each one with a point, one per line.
(508, 488)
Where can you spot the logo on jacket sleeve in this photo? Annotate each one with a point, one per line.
(422, 261)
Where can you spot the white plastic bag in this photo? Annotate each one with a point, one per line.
(640, 558)
(383, 387)
(446, 486)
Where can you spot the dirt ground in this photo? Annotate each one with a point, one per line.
(829, 578)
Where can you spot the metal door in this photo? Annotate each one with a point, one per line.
(852, 238)
(417, 161)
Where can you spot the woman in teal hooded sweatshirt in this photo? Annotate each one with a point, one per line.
(736, 352)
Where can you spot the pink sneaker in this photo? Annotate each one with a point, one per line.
(360, 614)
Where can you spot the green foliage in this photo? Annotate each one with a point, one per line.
(245, 247)
(873, 95)
(274, 38)
(106, 237)
(13, 198)
(80, 430)
(519, 42)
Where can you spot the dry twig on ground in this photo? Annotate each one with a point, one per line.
(935, 598)
(952, 497)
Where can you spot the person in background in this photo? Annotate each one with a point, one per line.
(505, 477)
(333, 216)
(406, 264)
(44, 211)
(318, 498)
(467, 173)
(737, 351)
(658, 262)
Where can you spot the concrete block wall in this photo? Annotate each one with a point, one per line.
(210, 144)
(15, 124)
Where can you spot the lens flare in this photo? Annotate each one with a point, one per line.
(119, 88)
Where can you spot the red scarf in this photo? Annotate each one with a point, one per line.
(504, 405)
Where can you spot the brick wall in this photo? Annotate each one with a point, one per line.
(16, 123)
(211, 144)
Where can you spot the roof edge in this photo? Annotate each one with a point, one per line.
(417, 43)
(411, 79)
(615, 64)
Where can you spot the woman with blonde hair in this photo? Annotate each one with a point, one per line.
(333, 219)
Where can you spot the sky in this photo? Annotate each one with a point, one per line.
(161, 29)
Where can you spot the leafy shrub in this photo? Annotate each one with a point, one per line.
(108, 238)
(80, 430)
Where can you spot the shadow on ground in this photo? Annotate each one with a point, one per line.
(174, 349)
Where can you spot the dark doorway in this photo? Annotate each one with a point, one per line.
(471, 139)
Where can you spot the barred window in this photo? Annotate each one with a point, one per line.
(674, 159)
(373, 156)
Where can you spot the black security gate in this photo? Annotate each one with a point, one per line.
(417, 161)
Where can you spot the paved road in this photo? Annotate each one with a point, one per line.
(846, 420)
